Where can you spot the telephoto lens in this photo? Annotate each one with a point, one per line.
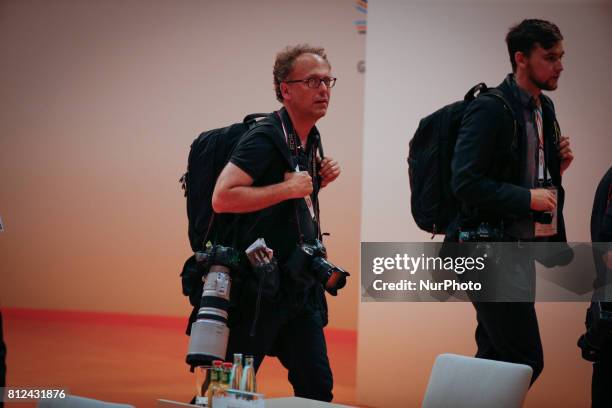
(209, 333)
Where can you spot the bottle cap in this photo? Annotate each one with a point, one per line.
(228, 365)
(218, 363)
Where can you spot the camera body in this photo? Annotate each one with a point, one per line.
(329, 275)
(210, 331)
(219, 255)
(599, 331)
(543, 217)
(484, 233)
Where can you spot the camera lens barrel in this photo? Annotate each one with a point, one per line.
(218, 282)
(331, 276)
(209, 333)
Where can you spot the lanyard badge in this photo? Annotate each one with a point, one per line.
(545, 223)
(291, 143)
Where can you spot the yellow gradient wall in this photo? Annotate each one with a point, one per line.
(99, 104)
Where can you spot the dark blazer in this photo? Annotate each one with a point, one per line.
(489, 159)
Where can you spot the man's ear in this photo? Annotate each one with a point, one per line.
(520, 59)
(285, 91)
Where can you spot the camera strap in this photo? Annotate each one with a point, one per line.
(210, 224)
(231, 230)
(292, 144)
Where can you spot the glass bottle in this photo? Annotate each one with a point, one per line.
(248, 382)
(225, 378)
(236, 375)
(215, 376)
(202, 374)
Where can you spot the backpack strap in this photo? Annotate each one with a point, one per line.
(482, 89)
(250, 121)
(475, 91)
(499, 95)
(319, 147)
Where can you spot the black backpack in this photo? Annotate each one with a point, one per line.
(433, 204)
(208, 155)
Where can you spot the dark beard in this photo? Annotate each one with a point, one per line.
(542, 85)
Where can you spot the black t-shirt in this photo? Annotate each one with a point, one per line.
(263, 153)
(601, 226)
(601, 217)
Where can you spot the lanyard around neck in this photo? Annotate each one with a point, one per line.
(311, 171)
(543, 173)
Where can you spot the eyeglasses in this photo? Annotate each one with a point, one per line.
(315, 83)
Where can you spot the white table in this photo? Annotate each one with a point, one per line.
(287, 402)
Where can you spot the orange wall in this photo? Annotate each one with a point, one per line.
(100, 102)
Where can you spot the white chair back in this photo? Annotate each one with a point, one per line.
(468, 382)
(72, 401)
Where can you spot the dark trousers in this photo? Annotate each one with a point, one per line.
(601, 393)
(2, 359)
(297, 340)
(508, 331)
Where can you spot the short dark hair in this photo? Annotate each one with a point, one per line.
(529, 33)
(284, 63)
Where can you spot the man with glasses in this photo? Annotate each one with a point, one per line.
(506, 173)
(272, 181)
